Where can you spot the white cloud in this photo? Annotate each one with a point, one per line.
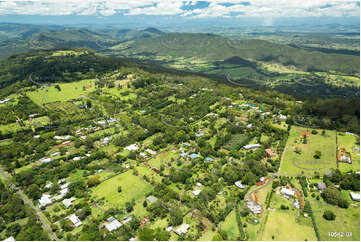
(256, 8)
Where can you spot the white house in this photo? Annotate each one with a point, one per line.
(75, 220)
(239, 185)
(287, 192)
(198, 184)
(132, 147)
(67, 202)
(45, 200)
(183, 229)
(49, 185)
(45, 160)
(62, 137)
(113, 224)
(5, 101)
(196, 192)
(355, 196)
(252, 146)
(249, 126)
(283, 117)
(10, 239)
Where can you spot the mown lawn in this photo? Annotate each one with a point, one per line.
(305, 161)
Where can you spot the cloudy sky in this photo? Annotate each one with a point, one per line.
(186, 9)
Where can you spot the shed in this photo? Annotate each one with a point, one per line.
(183, 229)
(75, 220)
(152, 199)
(355, 196)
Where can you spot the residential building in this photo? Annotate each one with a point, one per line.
(196, 192)
(75, 220)
(287, 192)
(355, 196)
(132, 147)
(183, 229)
(252, 146)
(239, 185)
(67, 202)
(45, 200)
(113, 224)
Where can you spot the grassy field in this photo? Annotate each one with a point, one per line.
(282, 225)
(304, 162)
(132, 188)
(230, 226)
(68, 92)
(163, 157)
(347, 220)
(349, 142)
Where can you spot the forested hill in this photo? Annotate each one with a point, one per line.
(214, 47)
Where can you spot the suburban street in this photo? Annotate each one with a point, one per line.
(45, 223)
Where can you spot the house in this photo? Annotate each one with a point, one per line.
(49, 185)
(66, 142)
(254, 207)
(55, 154)
(196, 192)
(355, 196)
(199, 134)
(132, 239)
(113, 224)
(283, 117)
(45, 160)
(61, 181)
(346, 159)
(321, 186)
(106, 140)
(5, 101)
(62, 137)
(252, 146)
(270, 152)
(194, 156)
(169, 229)
(152, 199)
(127, 219)
(152, 152)
(239, 185)
(208, 159)
(262, 179)
(249, 126)
(37, 136)
(132, 147)
(64, 185)
(67, 202)
(296, 204)
(45, 200)
(10, 239)
(287, 192)
(75, 220)
(198, 184)
(183, 229)
(143, 155)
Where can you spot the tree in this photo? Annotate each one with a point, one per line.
(331, 195)
(57, 87)
(323, 132)
(119, 189)
(93, 181)
(329, 215)
(33, 192)
(305, 139)
(145, 204)
(146, 234)
(343, 203)
(317, 154)
(217, 237)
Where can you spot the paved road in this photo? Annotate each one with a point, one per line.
(45, 223)
(250, 195)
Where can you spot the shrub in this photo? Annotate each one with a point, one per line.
(314, 132)
(329, 215)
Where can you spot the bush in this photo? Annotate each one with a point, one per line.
(314, 132)
(343, 203)
(329, 215)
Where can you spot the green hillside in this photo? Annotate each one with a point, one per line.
(215, 48)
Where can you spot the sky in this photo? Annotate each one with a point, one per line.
(158, 12)
(187, 9)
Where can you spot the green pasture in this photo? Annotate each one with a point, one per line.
(230, 226)
(347, 220)
(132, 188)
(305, 163)
(69, 91)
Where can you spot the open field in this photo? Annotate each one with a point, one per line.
(304, 161)
(347, 220)
(132, 188)
(282, 225)
(230, 226)
(68, 92)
